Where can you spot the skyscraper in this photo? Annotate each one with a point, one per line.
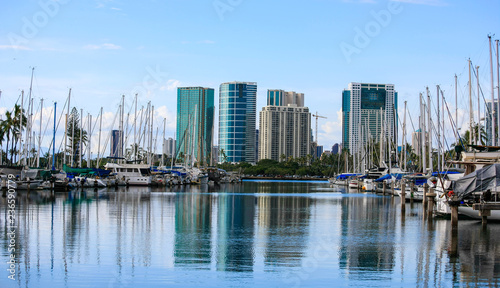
(169, 147)
(284, 128)
(366, 110)
(237, 116)
(116, 148)
(195, 121)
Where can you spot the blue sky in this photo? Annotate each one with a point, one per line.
(105, 48)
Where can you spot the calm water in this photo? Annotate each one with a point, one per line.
(264, 234)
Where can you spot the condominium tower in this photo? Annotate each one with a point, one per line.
(285, 126)
(367, 111)
(195, 123)
(237, 116)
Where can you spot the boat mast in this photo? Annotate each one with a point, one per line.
(403, 140)
(471, 113)
(442, 127)
(492, 112)
(90, 138)
(99, 142)
(72, 141)
(39, 135)
(20, 125)
(66, 129)
(438, 132)
(54, 140)
(423, 134)
(151, 136)
(456, 102)
(120, 142)
(28, 124)
(134, 147)
(80, 140)
(163, 143)
(429, 128)
(478, 136)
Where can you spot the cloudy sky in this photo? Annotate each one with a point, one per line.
(103, 49)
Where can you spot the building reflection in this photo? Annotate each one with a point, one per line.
(283, 224)
(478, 253)
(193, 213)
(235, 230)
(367, 243)
(250, 227)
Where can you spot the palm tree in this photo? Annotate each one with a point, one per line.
(10, 128)
(224, 156)
(140, 153)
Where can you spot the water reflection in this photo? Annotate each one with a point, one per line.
(189, 236)
(367, 241)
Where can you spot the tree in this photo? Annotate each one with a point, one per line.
(140, 153)
(73, 131)
(10, 128)
(224, 156)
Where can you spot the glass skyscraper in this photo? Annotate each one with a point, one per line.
(195, 122)
(237, 116)
(365, 109)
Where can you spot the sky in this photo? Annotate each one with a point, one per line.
(103, 49)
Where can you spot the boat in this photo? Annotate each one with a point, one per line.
(414, 187)
(130, 174)
(482, 174)
(343, 179)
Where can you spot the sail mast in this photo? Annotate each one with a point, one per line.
(39, 135)
(438, 132)
(429, 128)
(471, 113)
(478, 136)
(54, 140)
(492, 112)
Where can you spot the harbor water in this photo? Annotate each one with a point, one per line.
(251, 234)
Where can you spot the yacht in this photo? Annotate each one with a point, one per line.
(130, 174)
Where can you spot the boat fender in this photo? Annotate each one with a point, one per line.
(451, 193)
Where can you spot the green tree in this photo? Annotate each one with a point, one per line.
(76, 141)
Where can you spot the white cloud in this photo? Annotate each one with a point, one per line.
(330, 131)
(105, 46)
(13, 47)
(171, 85)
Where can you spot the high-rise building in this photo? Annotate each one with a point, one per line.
(366, 110)
(237, 116)
(257, 145)
(116, 147)
(169, 147)
(283, 98)
(284, 129)
(195, 123)
(488, 121)
(336, 148)
(319, 152)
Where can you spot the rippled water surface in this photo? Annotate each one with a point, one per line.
(265, 234)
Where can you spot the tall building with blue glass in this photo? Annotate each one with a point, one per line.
(367, 110)
(195, 123)
(237, 117)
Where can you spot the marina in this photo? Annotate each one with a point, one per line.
(254, 233)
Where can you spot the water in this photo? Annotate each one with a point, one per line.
(265, 234)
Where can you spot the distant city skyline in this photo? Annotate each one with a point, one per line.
(122, 51)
